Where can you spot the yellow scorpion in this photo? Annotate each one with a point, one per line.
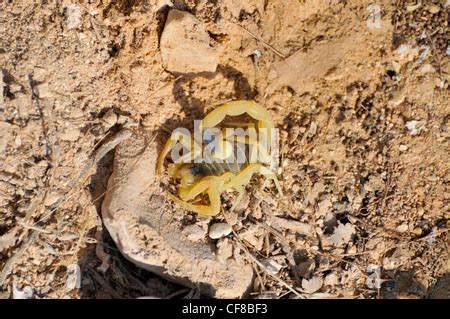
(215, 176)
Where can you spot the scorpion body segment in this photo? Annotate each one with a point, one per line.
(213, 174)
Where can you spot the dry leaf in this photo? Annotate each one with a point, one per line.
(323, 208)
(316, 190)
(254, 236)
(296, 226)
(400, 257)
(312, 285)
(331, 280)
(342, 234)
(272, 266)
(73, 277)
(26, 293)
(8, 240)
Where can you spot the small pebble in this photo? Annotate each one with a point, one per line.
(402, 49)
(331, 280)
(15, 88)
(427, 68)
(434, 9)
(402, 228)
(403, 148)
(352, 250)
(110, 118)
(50, 199)
(411, 8)
(398, 98)
(257, 54)
(312, 129)
(414, 127)
(219, 230)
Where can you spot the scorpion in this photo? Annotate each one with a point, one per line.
(212, 176)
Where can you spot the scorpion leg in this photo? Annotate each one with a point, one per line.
(206, 210)
(241, 192)
(271, 175)
(212, 185)
(203, 185)
(243, 178)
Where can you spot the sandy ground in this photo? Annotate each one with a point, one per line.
(359, 93)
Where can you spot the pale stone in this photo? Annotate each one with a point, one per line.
(403, 148)
(185, 45)
(73, 277)
(140, 219)
(219, 230)
(402, 228)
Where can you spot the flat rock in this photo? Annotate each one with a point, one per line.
(334, 63)
(185, 45)
(145, 226)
